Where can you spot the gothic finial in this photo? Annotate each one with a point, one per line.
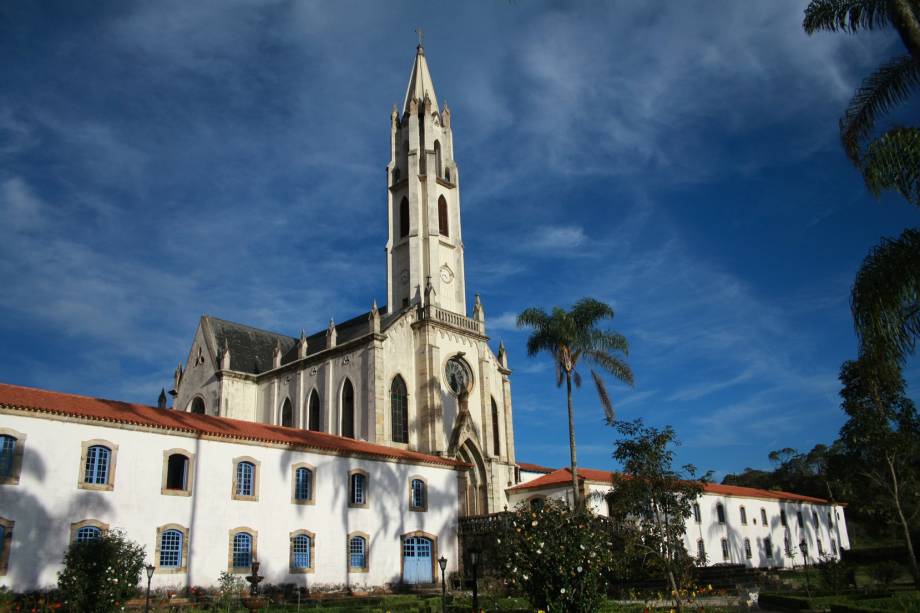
(330, 334)
(161, 401)
(225, 356)
(502, 355)
(421, 40)
(374, 318)
(276, 357)
(302, 345)
(479, 313)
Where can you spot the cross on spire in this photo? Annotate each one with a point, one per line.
(421, 36)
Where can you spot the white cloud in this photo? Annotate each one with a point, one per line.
(21, 209)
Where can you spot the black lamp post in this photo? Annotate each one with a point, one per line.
(150, 568)
(442, 562)
(474, 558)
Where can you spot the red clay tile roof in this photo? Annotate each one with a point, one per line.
(534, 468)
(563, 476)
(114, 411)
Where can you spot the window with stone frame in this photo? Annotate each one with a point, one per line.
(418, 494)
(348, 409)
(315, 412)
(6, 544)
(399, 410)
(496, 438)
(302, 551)
(302, 483)
(357, 489)
(245, 479)
(443, 219)
(178, 472)
(12, 445)
(357, 553)
(97, 465)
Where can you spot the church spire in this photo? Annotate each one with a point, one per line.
(420, 83)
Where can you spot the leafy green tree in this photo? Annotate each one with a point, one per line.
(101, 574)
(653, 500)
(571, 337)
(561, 558)
(881, 439)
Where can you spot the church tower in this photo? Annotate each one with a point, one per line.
(425, 246)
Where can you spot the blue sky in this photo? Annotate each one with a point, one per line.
(160, 160)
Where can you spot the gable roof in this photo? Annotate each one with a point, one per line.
(563, 476)
(116, 412)
(253, 350)
(534, 468)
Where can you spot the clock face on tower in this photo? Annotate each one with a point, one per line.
(447, 275)
(458, 376)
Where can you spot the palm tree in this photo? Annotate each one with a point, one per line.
(885, 299)
(891, 160)
(569, 337)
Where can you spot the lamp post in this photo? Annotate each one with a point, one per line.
(474, 558)
(442, 562)
(149, 568)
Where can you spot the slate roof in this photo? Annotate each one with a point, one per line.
(563, 476)
(252, 350)
(117, 412)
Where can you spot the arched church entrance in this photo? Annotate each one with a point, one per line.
(474, 497)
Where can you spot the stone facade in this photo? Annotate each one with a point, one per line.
(240, 372)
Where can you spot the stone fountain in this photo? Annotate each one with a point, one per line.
(254, 602)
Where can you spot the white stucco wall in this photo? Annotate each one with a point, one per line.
(712, 532)
(47, 500)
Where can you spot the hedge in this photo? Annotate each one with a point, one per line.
(783, 602)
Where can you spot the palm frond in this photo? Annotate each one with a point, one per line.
(576, 378)
(612, 365)
(845, 15)
(893, 161)
(886, 87)
(885, 299)
(609, 413)
(587, 312)
(533, 317)
(608, 340)
(560, 374)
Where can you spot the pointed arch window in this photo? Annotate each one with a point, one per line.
(443, 223)
(437, 159)
(399, 410)
(496, 441)
(314, 410)
(348, 409)
(287, 414)
(725, 550)
(404, 217)
(198, 405)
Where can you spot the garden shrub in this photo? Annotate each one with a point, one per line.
(833, 573)
(559, 559)
(101, 574)
(885, 572)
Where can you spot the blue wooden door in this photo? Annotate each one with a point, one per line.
(417, 560)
